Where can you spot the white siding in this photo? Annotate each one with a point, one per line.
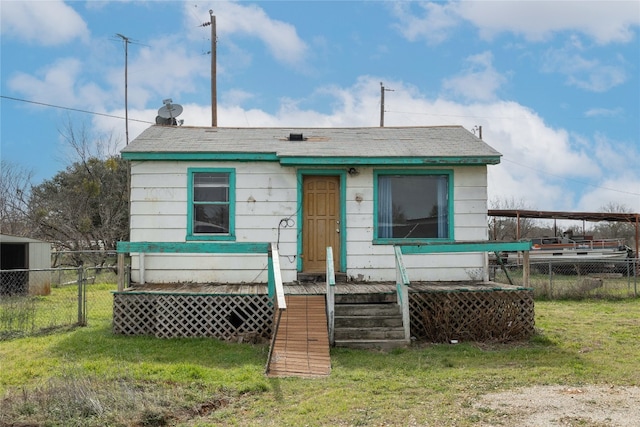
(266, 195)
(366, 261)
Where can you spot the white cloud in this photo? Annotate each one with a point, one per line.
(479, 82)
(280, 38)
(600, 79)
(44, 22)
(546, 168)
(165, 70)
(603, 21)
(619, 191)
(55, 84)
(236, 96)
(603, 112)
(435, 25)
(564, 172)
(610, 152)
(591, 75)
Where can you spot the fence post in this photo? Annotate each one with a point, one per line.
(550, 280)
(81, 300)
(635, 276)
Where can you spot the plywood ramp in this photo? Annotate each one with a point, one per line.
(301, 348)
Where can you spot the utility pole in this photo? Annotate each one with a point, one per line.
(214, 89)
(126, 101)
(382, 90)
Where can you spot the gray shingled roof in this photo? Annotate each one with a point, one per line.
(404, 142)
(7, 238)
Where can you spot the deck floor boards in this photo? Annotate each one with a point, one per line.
(302, 343)
(341, 288)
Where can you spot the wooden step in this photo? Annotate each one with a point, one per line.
(366, 298)
(367, 322)
(366, 334)
(371, 310)
(372, 344)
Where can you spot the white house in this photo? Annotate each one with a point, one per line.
(359, 190)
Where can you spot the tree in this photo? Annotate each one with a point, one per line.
(84, 207)
(502, 228)
(15, 187)
(615, 229)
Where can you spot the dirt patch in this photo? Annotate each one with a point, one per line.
(588, 406)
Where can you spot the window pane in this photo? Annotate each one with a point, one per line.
(211, 219)
(211, 187)
(413, 206)
(210, 194)
(211, 179)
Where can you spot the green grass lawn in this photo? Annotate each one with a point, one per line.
(90, 377)
(22, 315)
(574, 286)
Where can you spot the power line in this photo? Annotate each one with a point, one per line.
(419, 113)
(573, 180)
(72, 109)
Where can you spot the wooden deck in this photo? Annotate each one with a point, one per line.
(342, 288)
(301, 347)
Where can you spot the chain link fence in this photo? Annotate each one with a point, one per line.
(576, 280)
(37, 301)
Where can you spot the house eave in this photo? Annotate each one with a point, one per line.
(312, 160)
(196, 156)
(388, 161)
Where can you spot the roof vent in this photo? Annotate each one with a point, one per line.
(296, 137)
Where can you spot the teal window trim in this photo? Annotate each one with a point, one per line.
(412, 172)
(342, 173)
(231, 236)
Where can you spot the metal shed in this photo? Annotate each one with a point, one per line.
(19, 258)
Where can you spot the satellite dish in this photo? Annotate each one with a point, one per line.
(166, 122)
(170, 111)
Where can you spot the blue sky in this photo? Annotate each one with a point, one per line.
(554, 85)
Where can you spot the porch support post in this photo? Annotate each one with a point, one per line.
(121, 274)
(271, 283)
(485, 266)
(526, 269)
(141, 261)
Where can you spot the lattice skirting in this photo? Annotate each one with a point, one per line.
(172, 315)
(498, 315)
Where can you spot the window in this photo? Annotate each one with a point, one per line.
(413, 206)
(211, 204)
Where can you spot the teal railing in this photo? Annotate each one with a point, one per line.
(331, 295)
(402, 290)
(279, 299)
